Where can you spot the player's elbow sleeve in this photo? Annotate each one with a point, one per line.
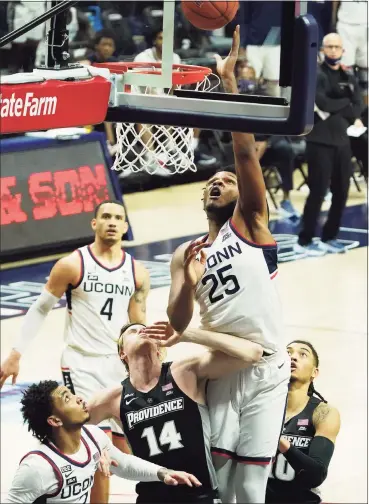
(311, 469)
(45, 302)
(314, 477)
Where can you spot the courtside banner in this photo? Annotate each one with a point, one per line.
(49, 190)
(53, 104)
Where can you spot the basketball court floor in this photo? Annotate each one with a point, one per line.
(324, 299)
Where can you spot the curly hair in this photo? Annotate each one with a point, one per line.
(37, 407)
(311, 390)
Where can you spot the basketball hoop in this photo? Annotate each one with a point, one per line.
(157, 149)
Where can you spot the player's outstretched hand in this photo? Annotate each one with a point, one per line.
(194, 263)
(105, 462)
(174, 478)
(10, 367)
(163, 333)
(225, 67)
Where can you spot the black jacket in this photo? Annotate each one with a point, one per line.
(338, 93)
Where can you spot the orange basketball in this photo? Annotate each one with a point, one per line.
(209, 15)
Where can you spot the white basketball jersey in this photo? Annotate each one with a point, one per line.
(98, 304)
(75, 479)
(237, 293)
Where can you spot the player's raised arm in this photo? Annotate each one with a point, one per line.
(65, 272)
(228, 353)
(185, 274)
(137, 304)
(252, 203)
(105, 405)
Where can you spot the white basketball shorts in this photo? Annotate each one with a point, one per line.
(85, 375)
(247, 411)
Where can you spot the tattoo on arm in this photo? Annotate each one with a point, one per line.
(320, 414)
(140, 296)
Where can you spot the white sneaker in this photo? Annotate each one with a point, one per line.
(314, 249)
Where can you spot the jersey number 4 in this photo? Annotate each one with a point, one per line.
(107, 309)
(230, 282)
(168, 436)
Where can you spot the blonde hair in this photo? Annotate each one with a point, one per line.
(120, 345)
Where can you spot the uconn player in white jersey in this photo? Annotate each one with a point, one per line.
(105, 288)
(61, 468)
(231, 273)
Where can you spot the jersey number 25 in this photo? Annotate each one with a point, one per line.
(230, 282)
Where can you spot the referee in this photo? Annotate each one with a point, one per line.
(338, 105)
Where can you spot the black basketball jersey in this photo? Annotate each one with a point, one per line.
(166, 427)
(282, 486)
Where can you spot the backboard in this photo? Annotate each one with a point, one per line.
(298, 33)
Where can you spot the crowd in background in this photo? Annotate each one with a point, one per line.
(127, 31)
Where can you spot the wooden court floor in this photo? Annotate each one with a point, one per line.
(324, 301)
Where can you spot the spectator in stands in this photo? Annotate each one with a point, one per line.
(338, 105)
(25, 46)
(104, 46)
(281, 152)
(155, 53)
(260, 40)
(352, 26)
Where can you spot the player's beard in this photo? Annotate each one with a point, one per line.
(220, 214)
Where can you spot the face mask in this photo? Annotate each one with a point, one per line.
(332, 61)
(246, 86)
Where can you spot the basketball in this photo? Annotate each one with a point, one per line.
(209, 15)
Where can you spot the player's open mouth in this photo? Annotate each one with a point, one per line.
(215, 193)
(293, 367)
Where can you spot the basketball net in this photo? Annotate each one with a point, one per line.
(157, 149)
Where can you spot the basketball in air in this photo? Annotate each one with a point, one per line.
(209, 15)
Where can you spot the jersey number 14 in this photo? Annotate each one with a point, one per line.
(168, 436)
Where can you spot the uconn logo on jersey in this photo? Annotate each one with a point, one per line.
(135, 417)
(92, 284)
(228, 252)
(75, 489)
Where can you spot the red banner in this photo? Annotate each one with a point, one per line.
(53, 104)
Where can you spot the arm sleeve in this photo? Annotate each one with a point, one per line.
(331, 105)
(312, 469)
(29, 481)
(34, 319)
(133, 468)
(129, 466)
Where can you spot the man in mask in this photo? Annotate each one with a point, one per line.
(338, 104)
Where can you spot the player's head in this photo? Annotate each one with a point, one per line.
(304, 365)
(109, 222)
(134, 342)
(105, 44)
(332, 48)
(47, 406)
(304, 361)
(220, 196)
